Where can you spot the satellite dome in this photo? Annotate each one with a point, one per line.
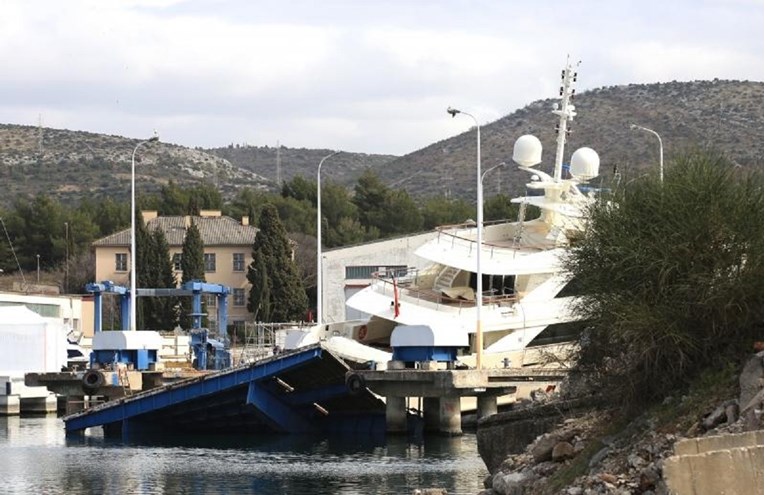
(527, 151)
(585, 164)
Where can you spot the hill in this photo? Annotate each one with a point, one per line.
(726, 115)
(68, 165)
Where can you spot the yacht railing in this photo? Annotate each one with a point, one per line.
(447, 234)
(406, 284)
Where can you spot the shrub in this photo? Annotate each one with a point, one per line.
(672, 275)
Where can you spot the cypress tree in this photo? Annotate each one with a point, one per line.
(193, 266)
(277, 291)
(144, 259)
(259, 301)
(166, 308)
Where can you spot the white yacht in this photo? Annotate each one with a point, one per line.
(522, 277)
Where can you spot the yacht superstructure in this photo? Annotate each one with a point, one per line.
(522, 275)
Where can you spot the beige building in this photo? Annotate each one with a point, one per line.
(227, 254)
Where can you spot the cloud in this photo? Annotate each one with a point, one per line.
(373, 77)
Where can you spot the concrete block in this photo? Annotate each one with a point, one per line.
(10, 405)
(40, 405)
(722, 472)
(700, 445)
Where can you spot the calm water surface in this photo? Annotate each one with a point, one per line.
(36, 457)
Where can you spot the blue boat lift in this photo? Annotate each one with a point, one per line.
(140, 349)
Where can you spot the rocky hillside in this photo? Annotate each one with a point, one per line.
(725, 115)
(70, 165)
(600, 450)
(344, 168)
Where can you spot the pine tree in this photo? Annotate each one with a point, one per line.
(277, 292)
(193, 266)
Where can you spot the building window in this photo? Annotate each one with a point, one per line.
(209, 262)
(365, 272)
(238, 297)
(211, 300)
(238, 262)
(177, 262)
(120, 262)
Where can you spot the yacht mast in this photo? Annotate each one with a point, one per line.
(566, 113)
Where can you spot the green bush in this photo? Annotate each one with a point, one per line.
(672, 275)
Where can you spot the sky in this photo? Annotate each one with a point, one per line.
(354, 75)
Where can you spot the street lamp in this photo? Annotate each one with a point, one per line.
(635, 127)
(132, 231)
(492, 168)
(479, 237)
(318, 238)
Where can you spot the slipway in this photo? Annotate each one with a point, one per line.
(302, 391)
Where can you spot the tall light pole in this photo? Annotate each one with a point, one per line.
(635, 127)
(133, 274)
(479, 238)
(318, 239)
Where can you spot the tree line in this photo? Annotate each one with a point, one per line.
(59, 237)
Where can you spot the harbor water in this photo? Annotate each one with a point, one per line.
(37, 457)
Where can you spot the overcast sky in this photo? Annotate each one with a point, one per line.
(357, 75)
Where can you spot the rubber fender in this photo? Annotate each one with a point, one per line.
(92, 380)
(355, 383)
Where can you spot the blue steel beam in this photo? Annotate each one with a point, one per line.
(277, 415)
(181, 392)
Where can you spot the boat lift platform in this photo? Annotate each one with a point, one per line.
(300, 391)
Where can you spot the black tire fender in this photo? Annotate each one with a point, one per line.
(92, 380)
(355, 383)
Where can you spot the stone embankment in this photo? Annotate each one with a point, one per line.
(589, 453)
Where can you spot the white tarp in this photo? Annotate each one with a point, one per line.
(28, 343)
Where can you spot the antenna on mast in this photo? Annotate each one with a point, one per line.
(566, 111)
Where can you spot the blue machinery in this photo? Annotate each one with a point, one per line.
(123, 347)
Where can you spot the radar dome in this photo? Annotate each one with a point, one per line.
(527, 151)
(585, 164)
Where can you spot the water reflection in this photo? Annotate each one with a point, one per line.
(40, 459)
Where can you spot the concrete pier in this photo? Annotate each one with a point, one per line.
(487, 405)
(395, 414)
(450, 416)
(431, 413)
(441, 390)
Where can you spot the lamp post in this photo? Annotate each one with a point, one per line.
(635, 127)
(38, 269)
(133, 274)
(479, 237)
(492, 168)
(318, 239)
